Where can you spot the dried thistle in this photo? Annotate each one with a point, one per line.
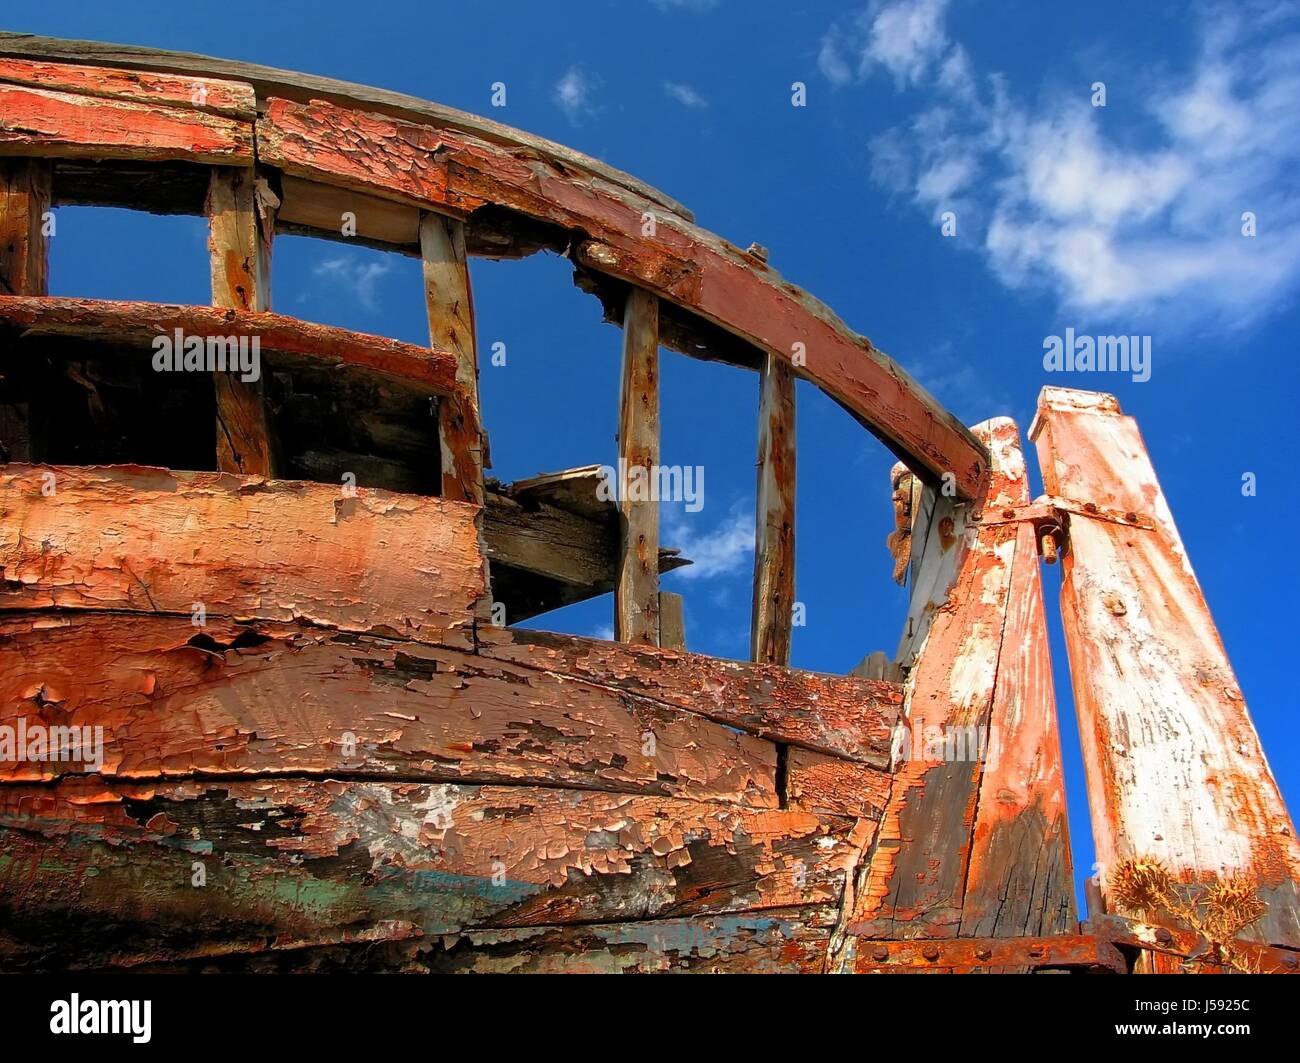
(1217, 911)
(1230, 907)
(1142, 885)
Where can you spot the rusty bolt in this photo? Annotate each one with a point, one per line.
(930, 952)
(1009, 513)
(1091, 507)
(757, 251)
(1048, 546)
(1036, 951)
(880, 954)
(1164, 936)
(1131, 517)
(1291, 961)
(984, 954)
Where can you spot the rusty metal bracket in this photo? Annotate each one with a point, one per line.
(1051, 524)
(1066, 951)
(1135, 934)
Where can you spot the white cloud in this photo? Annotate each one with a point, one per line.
(685, 95)
(1066, 196)
(906, 37)
(573, 94)
(726, 548)
(360, 278)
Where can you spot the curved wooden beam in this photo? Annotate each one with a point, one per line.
(432, 158)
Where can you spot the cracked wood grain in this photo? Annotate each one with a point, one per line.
(275, 699)
(54, 124)
(135, 539)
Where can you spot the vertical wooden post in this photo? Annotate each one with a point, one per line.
(240, 228)
(1174, 767)
(450, 304)
(972, 842)
(24, 270)
(636, 588)
(24, 201)
(770, 618)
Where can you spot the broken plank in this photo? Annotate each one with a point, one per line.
(139, 539)
(636, 588)
(842, 715)
(773, 604)
(672, 618)
(225, 699)
(60, 124)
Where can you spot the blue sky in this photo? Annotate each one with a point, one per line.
(1122, 219)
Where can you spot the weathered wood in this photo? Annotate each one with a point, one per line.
(771, 617)
(261, 698)
(61, 124)
(832, 786)
(636, 590)
(842, 715)
(936, 549)
(126, 323)
(450, 306)
(672, 619)
(326, 211)
(1020, 878)
(913, 884)
(459, 174)
(24, 202)
(229, 98)
(149, 540)
(239, 247)
(157, 187)
(303, 861)
(269, 81)
(557, 544)
(1174, 766)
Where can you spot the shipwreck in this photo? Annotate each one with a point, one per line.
(309, 738)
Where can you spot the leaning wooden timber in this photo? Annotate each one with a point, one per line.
(262, 706)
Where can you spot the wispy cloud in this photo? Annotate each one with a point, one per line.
(574, 93)
(1055, 196)
(355, 276)
(906, 38)
(685, 95)
(725, 548)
